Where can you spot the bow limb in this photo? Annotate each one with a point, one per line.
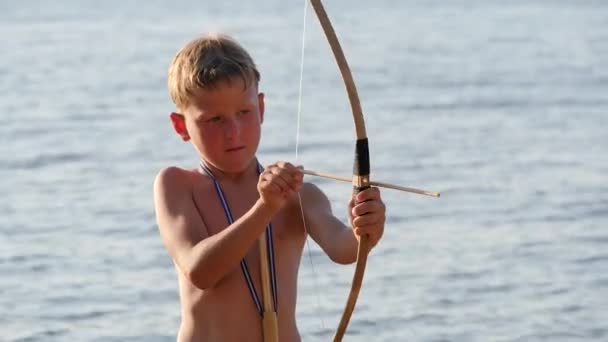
(361, 166)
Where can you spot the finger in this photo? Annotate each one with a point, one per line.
(290, 168)
(283, 169)
(364, 230)
(371, 231)
(297, 175)
(370, 228)
(293, 171)
(365, 220)
(369, 194)
(283, 164)
(272, 177)
(367, 231)
(268, 184)
(280, 173)
(282, 184)
(294, 182)
(292, 175)
(365, 208)
(270, 188)
(351, 204)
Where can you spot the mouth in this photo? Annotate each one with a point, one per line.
(235, 149)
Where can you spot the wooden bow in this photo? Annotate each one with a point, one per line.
(361, 164)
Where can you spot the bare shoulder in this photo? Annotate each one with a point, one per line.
(172, 177)
(173, 181)
(178, 220)
(174, 190)
(180, 224)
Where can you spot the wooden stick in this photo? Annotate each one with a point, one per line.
(379, 184)
(270, 325)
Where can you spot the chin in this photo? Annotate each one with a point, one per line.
(237, 166)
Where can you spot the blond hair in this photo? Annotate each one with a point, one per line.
(206, 61)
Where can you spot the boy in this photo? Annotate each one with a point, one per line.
(210, 218)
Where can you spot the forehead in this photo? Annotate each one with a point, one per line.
(224, 96)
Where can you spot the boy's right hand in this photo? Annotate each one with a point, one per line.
(278, 182)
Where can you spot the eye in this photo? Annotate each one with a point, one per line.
(243, 112)
(214, 119)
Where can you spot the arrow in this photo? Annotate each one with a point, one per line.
(378, 184)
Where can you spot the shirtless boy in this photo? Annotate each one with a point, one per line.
(211, 217)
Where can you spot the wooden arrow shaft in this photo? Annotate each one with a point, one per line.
(378, 184)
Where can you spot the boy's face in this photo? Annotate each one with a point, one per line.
(224, 124)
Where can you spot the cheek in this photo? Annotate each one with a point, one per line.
(253, 126)
(200, 132)
(254, 121)
(210, 133)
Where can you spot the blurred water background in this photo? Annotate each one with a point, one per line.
(500, 105)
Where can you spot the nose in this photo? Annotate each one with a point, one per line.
(232, 127)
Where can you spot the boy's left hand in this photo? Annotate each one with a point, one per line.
(367, 215)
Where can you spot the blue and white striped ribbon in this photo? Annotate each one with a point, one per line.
(269, 245)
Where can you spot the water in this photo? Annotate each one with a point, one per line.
(499, 105)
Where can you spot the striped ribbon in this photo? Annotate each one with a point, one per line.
(269, 245)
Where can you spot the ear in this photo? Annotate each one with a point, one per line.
(261, 106)
(179, 124)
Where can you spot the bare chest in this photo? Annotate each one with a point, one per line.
(219, 208)
(217, 211)
(288, 237)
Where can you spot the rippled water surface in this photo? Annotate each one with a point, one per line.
(500, 105)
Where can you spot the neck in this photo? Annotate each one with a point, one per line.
(238, 176)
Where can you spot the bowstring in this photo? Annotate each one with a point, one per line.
(300, 91)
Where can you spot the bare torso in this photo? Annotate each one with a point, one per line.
(227, 312)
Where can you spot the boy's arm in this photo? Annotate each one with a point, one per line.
(336, 239)
(203, 259)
